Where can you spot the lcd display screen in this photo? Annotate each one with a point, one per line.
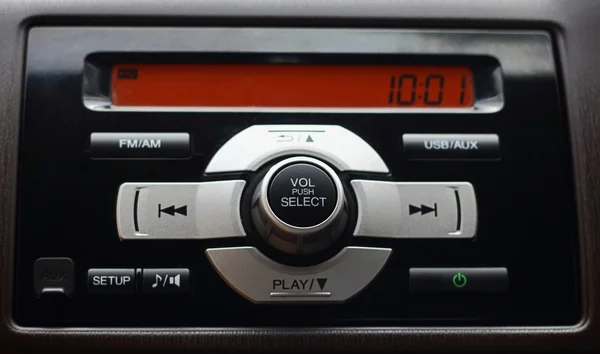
(292, 86)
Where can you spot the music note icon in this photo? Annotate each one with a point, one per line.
(157, 281)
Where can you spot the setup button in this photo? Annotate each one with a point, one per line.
(111, 281)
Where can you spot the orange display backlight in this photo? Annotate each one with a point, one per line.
(292, 86)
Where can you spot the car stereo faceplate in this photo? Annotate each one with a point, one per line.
(259, 177)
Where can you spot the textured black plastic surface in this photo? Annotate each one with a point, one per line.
(575, 25)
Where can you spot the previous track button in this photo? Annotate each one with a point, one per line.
(180, 210)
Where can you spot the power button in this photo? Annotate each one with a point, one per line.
(459, 280)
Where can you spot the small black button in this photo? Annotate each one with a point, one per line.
(140, 145)
(458, 280)
(451, 146)
(53, 276)
(169, 280)
(302, 195)
(111, 281)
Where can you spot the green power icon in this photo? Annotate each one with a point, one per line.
(459, 280)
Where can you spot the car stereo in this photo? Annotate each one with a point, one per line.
(243, 177)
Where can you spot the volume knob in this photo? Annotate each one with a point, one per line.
(299, 207)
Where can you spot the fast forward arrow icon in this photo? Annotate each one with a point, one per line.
(423, 209)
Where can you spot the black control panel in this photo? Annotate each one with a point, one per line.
(449, 202)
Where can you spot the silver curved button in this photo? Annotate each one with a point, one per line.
(180, 210)
(261, 280)
(415, 209)
(258, 144)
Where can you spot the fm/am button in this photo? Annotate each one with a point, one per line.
(140, 145)
(415, 209)
(261, 280)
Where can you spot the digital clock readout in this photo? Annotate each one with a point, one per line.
(292, 86)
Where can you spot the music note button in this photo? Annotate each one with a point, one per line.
(166, 280)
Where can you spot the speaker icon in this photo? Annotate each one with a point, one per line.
(175, 280)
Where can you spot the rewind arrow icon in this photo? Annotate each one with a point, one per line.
(171, 210)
